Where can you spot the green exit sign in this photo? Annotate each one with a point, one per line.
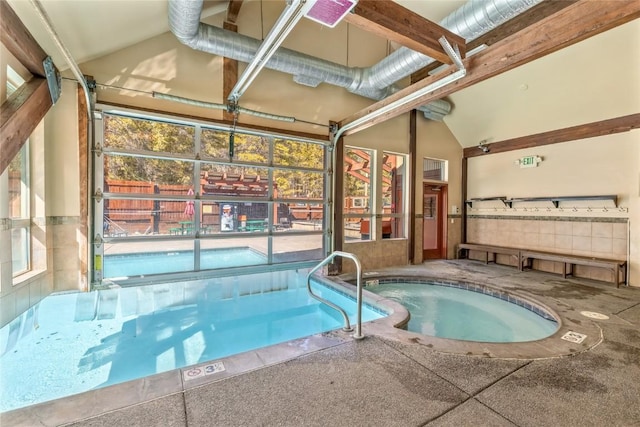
(529, 161)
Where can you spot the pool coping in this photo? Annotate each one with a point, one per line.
(92, 403)
(570, 323)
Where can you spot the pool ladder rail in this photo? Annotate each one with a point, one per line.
(347, 324)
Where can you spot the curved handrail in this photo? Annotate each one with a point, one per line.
(347, 324)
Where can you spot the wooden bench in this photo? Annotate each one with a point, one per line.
(570, 260)
(464, 248)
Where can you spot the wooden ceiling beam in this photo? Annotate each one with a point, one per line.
(19, 41)
(233, 9)
(19, 116)
(229, 72)
(588, 130)
(25, 108)
(391, 21)
(577, 22)
(525, 19)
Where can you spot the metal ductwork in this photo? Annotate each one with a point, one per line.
(376, 82)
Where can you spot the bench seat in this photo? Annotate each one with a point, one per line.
(614, 265)
(464, 248)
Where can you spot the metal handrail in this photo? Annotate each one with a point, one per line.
(347, 325)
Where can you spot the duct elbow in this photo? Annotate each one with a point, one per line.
(184, 20)
(436, 110)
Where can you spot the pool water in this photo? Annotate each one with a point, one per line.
(74, 342)
(138, 264)
(451, 312)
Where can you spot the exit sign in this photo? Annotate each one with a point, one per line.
(528, 161)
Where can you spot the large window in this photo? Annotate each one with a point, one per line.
(394, 176)
(363, 210)
(359, 207)
(19, 212)
(208, 198)
(19, 194)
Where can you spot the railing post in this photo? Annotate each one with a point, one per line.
(358, 334)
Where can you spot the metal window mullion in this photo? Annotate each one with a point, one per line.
(270, 205)
(196, 205)
(157, 117)
(145, 196)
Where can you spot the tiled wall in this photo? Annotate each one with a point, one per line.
(18, 295)
(376, 254)
(595, 237)
(67, 249)
(56, 256)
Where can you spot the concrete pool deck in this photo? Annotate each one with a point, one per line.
(390, 379)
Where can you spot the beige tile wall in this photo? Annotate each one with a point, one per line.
(587, 237)
(56, 261)
(67, 254)
(376, 254)
(17, 295)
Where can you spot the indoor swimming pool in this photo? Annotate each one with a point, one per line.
(466, 311)
(143, 263)
(74, 342)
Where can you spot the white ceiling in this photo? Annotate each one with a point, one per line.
(594, 80)
(90, 29)
(93, 28)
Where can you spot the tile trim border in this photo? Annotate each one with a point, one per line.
(551, 218)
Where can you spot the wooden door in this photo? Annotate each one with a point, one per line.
(434, 216)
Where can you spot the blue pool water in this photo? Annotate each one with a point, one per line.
(74, 342)
(450, 312)
(137, 264)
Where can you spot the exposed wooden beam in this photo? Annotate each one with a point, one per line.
(525, 19)
(338, 204)
(588, 130)
(229, 72)
(391, 21)
(19, 41)
(233, 9)
(581, 20)
(19, 116)
(413, 145)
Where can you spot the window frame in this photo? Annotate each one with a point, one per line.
(203, 161)
(402, 215)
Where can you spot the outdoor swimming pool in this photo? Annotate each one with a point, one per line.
(143, 263)
(467, 312)
(74, 342)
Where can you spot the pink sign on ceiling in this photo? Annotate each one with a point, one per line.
(330, 12)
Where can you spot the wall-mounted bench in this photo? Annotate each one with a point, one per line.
(489, 251)
(569, 261)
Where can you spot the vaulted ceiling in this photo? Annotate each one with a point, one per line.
(593, 80)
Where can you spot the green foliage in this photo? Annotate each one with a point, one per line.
(131, 137)
(128, 134)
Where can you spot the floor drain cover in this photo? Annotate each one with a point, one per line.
(574, 337)
(594, 315)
